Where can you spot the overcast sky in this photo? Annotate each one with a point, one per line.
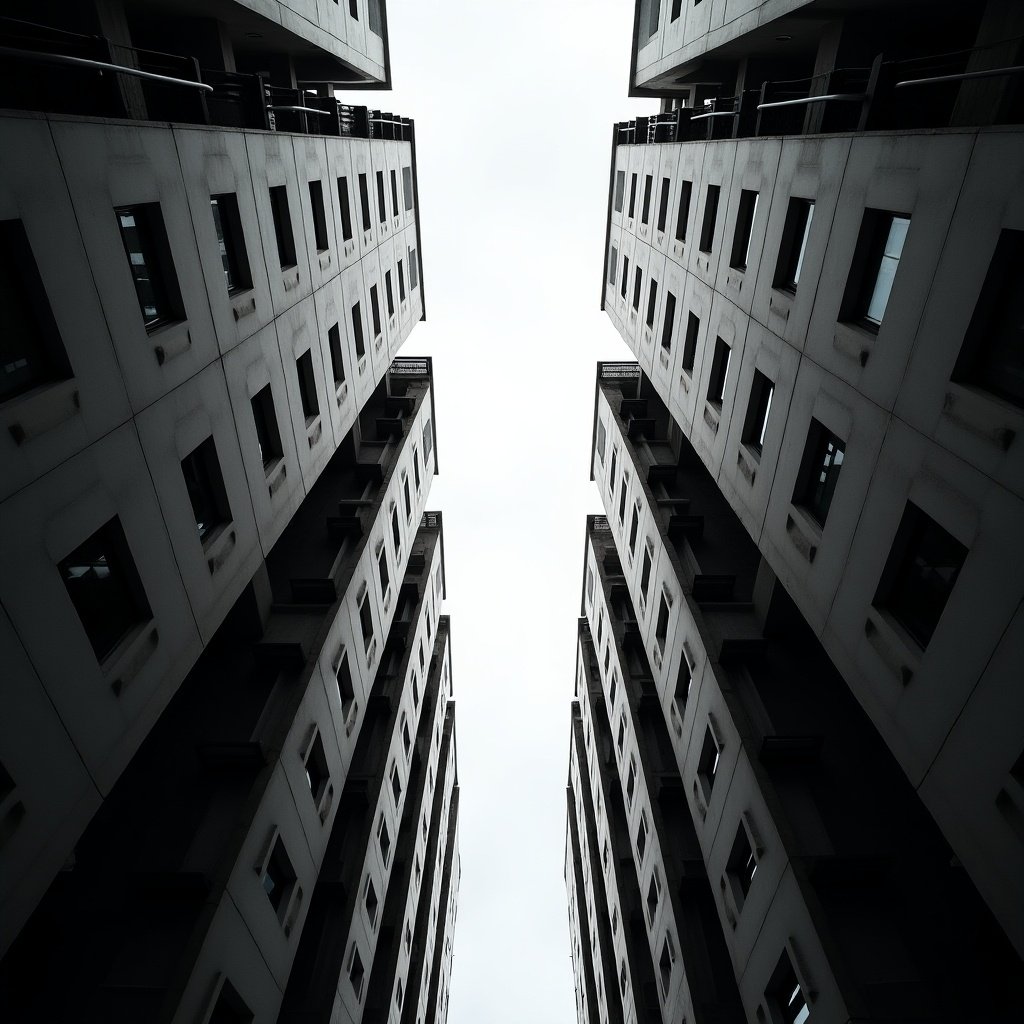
(514, 103)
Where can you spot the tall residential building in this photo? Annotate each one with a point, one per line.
(813, 486)
(226, 678)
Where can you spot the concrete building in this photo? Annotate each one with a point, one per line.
(810, 251)
(214, 555)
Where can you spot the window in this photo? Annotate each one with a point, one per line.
(638, 276)
(396, 532)
(602, 440)
(406, 738)
(668, 957)
(337, 362)
(346, 209)
(382, 569)
(683, 210)
(613, 265)
(356, 974)
(364, 202)
(758, 410)
(382, 210)
(624, 283)
(415, 692)
(992, 356)
(353, 8)
(795, 233)
(664, 611)
(645, 573)
(719, 373)
(149, 258)
(677, 7)
(231, 242)
(278, 877)
(620, 740)
(645, 210)
(632, 196)
(652, 302)
(707, 766)
(316, 203)
(267, 435)
(104, 587)
(683, 683)
(615, 920)
(398, 994)
(205, 485)
(383, 839)
(741, 866)
(786, 995)
(282, 226)
(613, 683)
(590, 585)
(357, 331)
(307, 386)
(428, 440)
(401, 282)
(370, 901)
(666, 187)
(631, 781)
(31, 351)
(707, 230)
(690, 342)
(744, 227)
(653, 895)
(668, 324)
(366, 617)
(394, 192)
(634, 527)
(230, 1007)
(416, 467)
(407, 187)
(408, 937)
(641, 837)
(375, 310)
(651, 17)
(346, 691)
(920, 574)
(414, 273)
(875, 262)
(620, 188)
(611, 470)
(819, 472)
(622, 978)
(622, 498)
(396, 784)
(407, 496)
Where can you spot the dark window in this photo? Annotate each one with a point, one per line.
(401, 282)
(149, 258)
(382, 211)
(105, 588)
(622, 499)
(641, 838)
(632, 196)
(375, 310)
(795, 233)
(389, 294)
(357, 331)
(366, 619)
(668, 324)
(758, 409)
(414, 273)
(229, 1008)
(875, 262)
(786, 995)
(316, 202)
(278, 876)
(634, 526)
(407, 187)
(613, 265)
(819, 471)
(645, 210)
(683, 681)
(364, 201)
(353, 8)
(337, 361)
(677, 7)
(356, 973)
(992, 356)
(31, 351)
(920, 574)
(396, 784)
(346, 209)
(707, 230)
(707, 766)
(382, 570)
(638, 277)
(744, 227)
(624, 283)
(652, 302)
(654, 15)
(665, 964)
(620, 189)
(683, 212)
(394, 192)
(317, 773)
(231, 242)
(267, 435)
(307, 386)
(371, 901)
(416, 467)
(408, 497)
(396, 530)
(205, 484)
(645, 573)
(282, 226)
(666, 186)
(346, 691)
(719, 373)
(690, 341)
(661, 629)
(741, 866)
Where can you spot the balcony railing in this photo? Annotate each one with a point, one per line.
(48, 69)
(618, 371)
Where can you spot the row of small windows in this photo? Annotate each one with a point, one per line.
(373, 15)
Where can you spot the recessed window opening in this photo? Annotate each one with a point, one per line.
(637, 288)
(795, 233)
(307, 386)
(624, 284)
(382, 211)
(669, 322)
(741, 866)
(683, 210)
(645, 209)
(613, 264)
(620, 188)
(278, 877)
(337, 361)
(364, 202)
(346, 209)
(268, 437)
(227, 225)
(707, 231)
(758, 410)
(873, 271)
(282, 226)
(316, 203)
(652, 302)
(407, 188)
(745, 214)
(707, 765)
(632, 196)
(151, 264)
(719, 373)
(690, 341)
(357, 331)
(205, 485)
(666, 187)
(819, 471)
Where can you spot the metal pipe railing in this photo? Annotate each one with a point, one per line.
(804, 100)
(963, 77)
(305, 110)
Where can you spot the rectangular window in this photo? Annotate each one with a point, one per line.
(105, 588)
(231, 242)
(668, 324)
(622, 499)
(205, 485)
(707, 230)
(666, 187)
(414, 272)
(357, 331)
(282, 226)
(668, 958)
(364, 202)
(992, 355)
(407, 495)
(744, 228)
(346, 691)
(632, 196)
(758, 409)
(317, 773)
(401, 282)
(307, 386)
(645, 573)
(396, 785)
(428, 443)
(316, 203)
(31, 350)
(645, 210)
(602, 438)
(366, 618)
(741, 866)
(719, 373)
(637, 288)
(677, 8)
(795, 233)
(389, 294)
(394, 192)
(356, 973)
(920, 573)
(407, 188)
(634, 527)
(346, 209)
(624, 283)
(707, 766)
(620, 188)
(382, 211)
(149, 258)
(786, 995)
(353, 8)
(819, 472)
(382, 569)
(375, 310)
(337, 362)
(683, 211)
(652, 302)
(875, 262)
(268, 437)
(664, 613)
(613, 265)
(278, 877)
(641, 837)
(370, 901)
(690, 342)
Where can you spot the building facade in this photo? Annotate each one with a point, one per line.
(215, 560)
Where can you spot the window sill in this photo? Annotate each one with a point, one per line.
(893, 645)
(218, 546)
(855, 341)
(314, 431)
(36, 412)
(275, 473)
(290, 278)
(325, 258)
(988, 417)
(748, 459)
(129, 657)
(804, 533)
(341, 393)
(713, 415)
(686, 379)
(170, 340)
(243, 303)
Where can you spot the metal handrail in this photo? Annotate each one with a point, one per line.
(305, 110)
(858, 96)
(99, 65)
(990, 73)
(716, 113)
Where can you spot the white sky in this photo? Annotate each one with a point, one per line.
(514, 103)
